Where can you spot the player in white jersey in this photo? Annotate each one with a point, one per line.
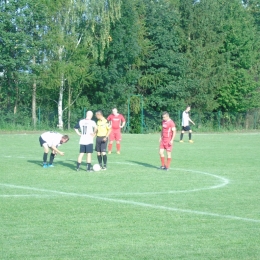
(186, 124)
(51, 140)
(87, 132)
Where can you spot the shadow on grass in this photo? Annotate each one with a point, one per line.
(70, 165)
(147, 165)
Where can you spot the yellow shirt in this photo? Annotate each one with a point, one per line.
(103, 127)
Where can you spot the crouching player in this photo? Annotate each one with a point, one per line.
(166, 140)
(51, 140)
(88, 128)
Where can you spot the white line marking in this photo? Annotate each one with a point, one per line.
(134, 203)
(224, 182)
(25, 196)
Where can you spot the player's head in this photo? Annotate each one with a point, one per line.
(114, 111)
(165, 115)
(99, 114)
(64, 139)
(89, 114)
(187, 108)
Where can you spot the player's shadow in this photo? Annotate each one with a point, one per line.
(147, 165)
(38, 163)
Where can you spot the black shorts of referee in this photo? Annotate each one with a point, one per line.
(86, 148)
(186, 128)
(101, 145)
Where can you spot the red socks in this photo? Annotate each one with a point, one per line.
(162, 161)
(168, 163)
(118, 147)
(110, 147)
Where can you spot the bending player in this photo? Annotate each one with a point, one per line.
(117, 121)
(186, 124)
(87, 132)
(103, 131)
(51, 140)
(166, 140)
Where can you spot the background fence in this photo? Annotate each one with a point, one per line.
(205, 121)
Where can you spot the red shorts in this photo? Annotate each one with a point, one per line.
(165, 144)
(115, 135)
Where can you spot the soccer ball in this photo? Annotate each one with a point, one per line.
(96, 167)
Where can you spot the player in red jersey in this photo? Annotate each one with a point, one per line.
(166, 140)
(117, 121)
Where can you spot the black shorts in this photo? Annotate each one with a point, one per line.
(88, 148)
(186, 128)
(41, 141)
(101, 146)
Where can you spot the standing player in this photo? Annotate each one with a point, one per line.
(166, 140)
(103, 131)
(51, 140)
(87, 132)
(186, 124)
(117, 121)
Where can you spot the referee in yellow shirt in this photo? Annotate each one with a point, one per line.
(103, 131)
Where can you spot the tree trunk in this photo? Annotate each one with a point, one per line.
(34, 87)
(69, 111)
(60, 110)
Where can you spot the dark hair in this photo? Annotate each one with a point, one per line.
(66, 137)
(99, 112)
(165, 113)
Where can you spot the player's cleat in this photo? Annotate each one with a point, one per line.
(109, 152)
(161, 168)
(50, 165)
(166, 169)
(45, 165)
(77, 169)
(90, 170)
(181, 141)
(190, 141)
(104, 168)
(118, 152)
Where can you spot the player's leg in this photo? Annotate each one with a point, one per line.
(161, 153)
(89, 150)
(118, 138)
(169, 159)
(190, 133)
(82, 151)
(98, 149)
(52, 156)
(111, 140)
(182, 133)
(104, 154)
(45, 154)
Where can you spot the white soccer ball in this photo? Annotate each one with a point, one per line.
(96, 167)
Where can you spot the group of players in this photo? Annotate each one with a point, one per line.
(110, 129)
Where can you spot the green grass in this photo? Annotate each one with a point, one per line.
(128, 212)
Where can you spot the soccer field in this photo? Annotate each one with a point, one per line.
(207, 206)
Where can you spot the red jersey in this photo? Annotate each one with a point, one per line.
(116, 121)
(167, 129)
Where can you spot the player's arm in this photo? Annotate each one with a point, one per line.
(76, 128)
(109, 129)
(173, 134)
(95, 131)
(123, 124)
(77, 131)
(191, 121)
(54, 148)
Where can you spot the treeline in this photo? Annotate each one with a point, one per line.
(68, 55)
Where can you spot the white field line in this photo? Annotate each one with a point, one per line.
(224, 182)
(134, 203)
(18, 196)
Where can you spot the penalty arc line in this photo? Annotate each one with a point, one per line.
(134, 203)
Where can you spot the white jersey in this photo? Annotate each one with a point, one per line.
(185, 119)
(52, 138)
(86, 127)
